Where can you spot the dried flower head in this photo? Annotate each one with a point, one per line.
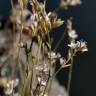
(38, 22)
(79, 46)
(72, 34)
(82, 46)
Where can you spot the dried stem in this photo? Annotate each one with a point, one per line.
(70, 74)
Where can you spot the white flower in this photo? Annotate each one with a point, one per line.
(72, 34)
(42, 79)
(58, 55)
(82, 46)
(81, 43)
(52, 55)
(72, 45)
(79, 46)
(62, 61)
(43, 83)
(42, 67)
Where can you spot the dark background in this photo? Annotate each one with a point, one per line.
(84, 21)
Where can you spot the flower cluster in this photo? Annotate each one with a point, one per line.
(78, 46)
(54, 57)
(37, 21)
(43, 72)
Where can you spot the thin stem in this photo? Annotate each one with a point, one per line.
(12, 5)
(60, 70)
(60, 40)
(70, 76)
(35, 62)
(64, 66)
(50, 65)
(24, 90)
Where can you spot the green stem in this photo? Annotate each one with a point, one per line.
(24, 90)
(70, 76)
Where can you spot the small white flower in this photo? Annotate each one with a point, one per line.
(58, 55)
(79, 46)
(62, 61)
(82, 46)
(43, 83)
(72, 45)
(52, 55)
(72, 34)
(42, 67)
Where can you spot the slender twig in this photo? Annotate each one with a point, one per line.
(12, 5)
(33, 63)
(70, 74)
(63, 66)
(60, 40)
(47, 83)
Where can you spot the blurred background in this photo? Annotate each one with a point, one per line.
(84, 21)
